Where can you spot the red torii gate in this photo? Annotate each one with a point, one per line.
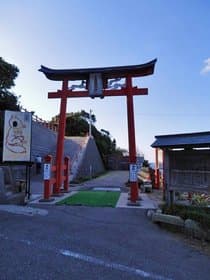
(96, 81)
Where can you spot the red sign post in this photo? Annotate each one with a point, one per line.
(99, 82)
(157, 171)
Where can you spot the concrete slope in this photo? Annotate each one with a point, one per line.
(90, 163)
(75, 148)
(43, 141)
(84, 156)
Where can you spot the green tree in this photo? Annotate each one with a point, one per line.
(103, 142)
(76, 125)
(8, 73)
(8, 100)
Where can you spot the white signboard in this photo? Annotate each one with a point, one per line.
(133, 173)
(17, 136)
(47, 171)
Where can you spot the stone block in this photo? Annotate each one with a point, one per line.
(150, 213)
(168, 219)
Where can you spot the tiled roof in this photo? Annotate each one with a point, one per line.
(107, 72)
(187, 140)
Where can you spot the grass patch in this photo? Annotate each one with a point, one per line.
(92, 198)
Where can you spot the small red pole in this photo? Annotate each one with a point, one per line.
(66, 173)
(157, 171)
(131, 139)
(47, 179)
(60, 141)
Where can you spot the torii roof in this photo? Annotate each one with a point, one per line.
(186, 140)
(106, 72)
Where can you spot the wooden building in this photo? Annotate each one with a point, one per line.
(186, 162)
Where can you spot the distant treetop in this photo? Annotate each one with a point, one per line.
(8, 73)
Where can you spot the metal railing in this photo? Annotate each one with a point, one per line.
(48, 124)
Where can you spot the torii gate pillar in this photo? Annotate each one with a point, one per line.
(131, 142)
(60, 140)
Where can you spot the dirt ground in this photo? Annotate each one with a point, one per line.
(201, 245)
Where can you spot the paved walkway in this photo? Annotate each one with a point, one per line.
(110, 180)
(85, 243)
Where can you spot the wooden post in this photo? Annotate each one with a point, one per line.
(163, 175)
(167, 178)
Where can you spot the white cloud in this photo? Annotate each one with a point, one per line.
(206, 67)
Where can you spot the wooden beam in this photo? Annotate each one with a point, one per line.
(111, 92)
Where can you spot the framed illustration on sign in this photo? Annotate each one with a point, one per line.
(17, 136)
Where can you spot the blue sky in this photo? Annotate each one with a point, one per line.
(97, 33)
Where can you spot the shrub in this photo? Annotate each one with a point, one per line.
(200, 200)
